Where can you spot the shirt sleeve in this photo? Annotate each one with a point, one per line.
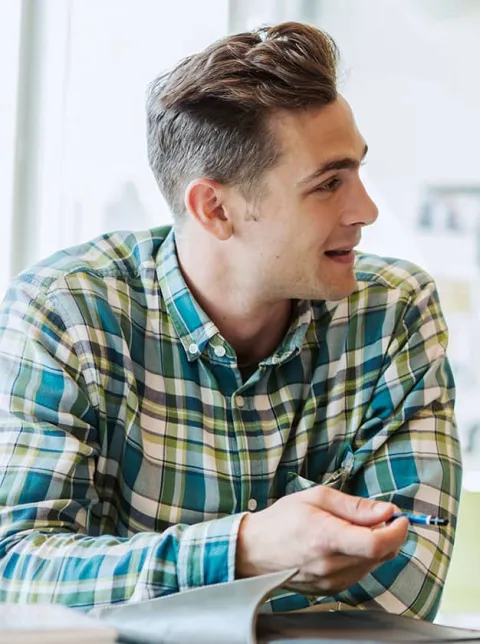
(49, 445)
(407, 451)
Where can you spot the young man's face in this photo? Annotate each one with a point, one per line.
(311, 209)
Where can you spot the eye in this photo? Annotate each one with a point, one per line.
(329, 186)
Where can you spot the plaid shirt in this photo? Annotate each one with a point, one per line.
(130, 447)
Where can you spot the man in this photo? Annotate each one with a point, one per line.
(183, 407)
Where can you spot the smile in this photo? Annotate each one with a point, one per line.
(345, 256)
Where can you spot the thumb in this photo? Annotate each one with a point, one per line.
(355, 509)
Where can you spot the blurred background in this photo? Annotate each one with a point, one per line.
(73, 159)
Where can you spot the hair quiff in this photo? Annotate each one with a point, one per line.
(209, 116)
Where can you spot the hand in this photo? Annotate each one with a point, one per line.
(334, 539)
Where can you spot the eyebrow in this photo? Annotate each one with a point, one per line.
(346, 163)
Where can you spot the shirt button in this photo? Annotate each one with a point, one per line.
(252, 505)
(193, 348)
(220, 351)
(240, 401)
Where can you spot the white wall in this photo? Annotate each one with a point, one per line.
(9, 49)
(98, 58)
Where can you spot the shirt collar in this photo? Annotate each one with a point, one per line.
(194, 327)
(292, 343)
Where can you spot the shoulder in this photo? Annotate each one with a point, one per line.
(395, 288)
(122, 255)
(391, 294)
(97, 284)
(399, 276)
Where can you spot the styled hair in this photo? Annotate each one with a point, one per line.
(210, 116)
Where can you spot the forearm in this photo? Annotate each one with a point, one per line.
(84, 571)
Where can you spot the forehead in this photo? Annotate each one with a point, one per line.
(309, 137)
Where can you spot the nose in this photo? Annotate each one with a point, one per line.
(370, 214)
(362, 210)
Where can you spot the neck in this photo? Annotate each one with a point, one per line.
(253, 325)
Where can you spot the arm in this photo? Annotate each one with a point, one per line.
(49, 443)
(407, 452)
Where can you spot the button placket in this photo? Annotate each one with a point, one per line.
(193, 349)
(243, 451)
(219, 351)
(239, 401)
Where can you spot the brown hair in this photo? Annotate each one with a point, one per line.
(209, 116)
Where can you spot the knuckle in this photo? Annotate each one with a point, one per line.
(327, 585)
(326, 542)
(316, 544)
(358, 504)
(325, 568)
(335, 585)
(322, 494)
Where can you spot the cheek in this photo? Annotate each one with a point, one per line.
(316, 239)
(321, 226)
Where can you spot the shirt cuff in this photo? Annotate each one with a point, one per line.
(207, 552)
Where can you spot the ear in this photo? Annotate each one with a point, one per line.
(204, 200)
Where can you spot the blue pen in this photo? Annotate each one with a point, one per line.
(420, 519)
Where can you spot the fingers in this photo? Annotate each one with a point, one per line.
(345, 577)
(360, 549)
(377, 545)
(334, 574)
(355, 509)
(336, 565)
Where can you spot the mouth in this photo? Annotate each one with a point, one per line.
(343, 255)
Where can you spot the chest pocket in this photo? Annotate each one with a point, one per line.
(337, 479)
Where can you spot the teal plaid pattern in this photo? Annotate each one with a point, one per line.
(130, 446)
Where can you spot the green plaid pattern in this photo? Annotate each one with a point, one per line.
(130, 447)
